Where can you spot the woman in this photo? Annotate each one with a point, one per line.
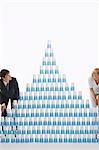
(94, 90)
(94, 87)
(8, 90)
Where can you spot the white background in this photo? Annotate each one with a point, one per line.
(71, 25)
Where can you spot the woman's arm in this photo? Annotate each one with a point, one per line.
(93, 94)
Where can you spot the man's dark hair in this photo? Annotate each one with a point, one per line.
(4, 72)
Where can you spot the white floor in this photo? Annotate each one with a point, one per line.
(49, 146)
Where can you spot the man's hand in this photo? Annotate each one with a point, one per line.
(3, 107)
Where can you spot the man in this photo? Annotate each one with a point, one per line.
(8, 90)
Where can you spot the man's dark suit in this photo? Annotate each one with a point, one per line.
(11, 93)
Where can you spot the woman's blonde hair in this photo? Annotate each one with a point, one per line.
(95, 71)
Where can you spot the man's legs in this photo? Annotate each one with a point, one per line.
(4, 112)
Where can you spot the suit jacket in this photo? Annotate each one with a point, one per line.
(12, 92)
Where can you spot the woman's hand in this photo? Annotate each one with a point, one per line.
(97, 100)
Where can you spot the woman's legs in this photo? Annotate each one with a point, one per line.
(95, 106)
(97, 102)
